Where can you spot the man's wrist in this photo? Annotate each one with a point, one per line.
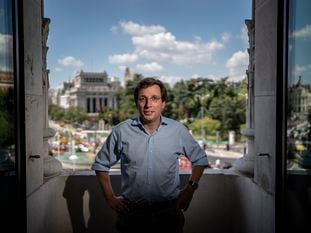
(193, 184)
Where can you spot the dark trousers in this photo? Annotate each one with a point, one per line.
(155, 218)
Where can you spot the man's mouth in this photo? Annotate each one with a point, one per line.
(148, 112)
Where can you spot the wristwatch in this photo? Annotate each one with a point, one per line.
(194, 185)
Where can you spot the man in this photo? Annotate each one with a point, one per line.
(149, 147)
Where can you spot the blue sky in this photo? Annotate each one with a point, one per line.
(172, 39)
(300, 42)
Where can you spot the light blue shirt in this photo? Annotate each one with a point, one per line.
(149, 163)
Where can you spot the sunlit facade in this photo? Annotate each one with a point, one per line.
(90, 91)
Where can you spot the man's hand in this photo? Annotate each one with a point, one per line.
(185, 197)
(118, 203)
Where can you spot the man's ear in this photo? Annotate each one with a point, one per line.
(163, 104)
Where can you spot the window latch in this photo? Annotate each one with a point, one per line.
(34, 156)
(264, 154)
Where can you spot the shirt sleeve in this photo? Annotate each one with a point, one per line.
(192, 149)
(108, 155)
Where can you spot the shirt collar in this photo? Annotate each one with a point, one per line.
(136, 121)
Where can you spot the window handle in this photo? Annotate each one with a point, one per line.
(264, 154)
(34, 156)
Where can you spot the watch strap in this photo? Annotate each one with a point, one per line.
(194, 185)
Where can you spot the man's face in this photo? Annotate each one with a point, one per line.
(150, 104)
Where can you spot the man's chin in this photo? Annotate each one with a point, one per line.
(147, 120)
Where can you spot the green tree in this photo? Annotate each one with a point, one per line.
(229, 111)
(56, 112)
(109, 116)
(75, 115)
(208, 125)
(125, 98)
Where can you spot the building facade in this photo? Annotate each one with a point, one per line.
(90, 91)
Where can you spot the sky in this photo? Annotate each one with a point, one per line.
(300, 42)
(170, 39)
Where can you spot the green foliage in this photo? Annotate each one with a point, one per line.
(200, 103)
(56, 112)
(109, 116)
(72, 114)
(208, 125)
(125, 97)
(75, 115)
(230, 111)
(220, 100)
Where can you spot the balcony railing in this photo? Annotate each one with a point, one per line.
(225, 202)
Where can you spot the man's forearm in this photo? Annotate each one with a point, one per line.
(117, 203)
(105, 183)
(197, 172)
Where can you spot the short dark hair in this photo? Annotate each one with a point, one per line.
(147, 82)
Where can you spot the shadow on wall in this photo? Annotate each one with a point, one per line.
(88, 210)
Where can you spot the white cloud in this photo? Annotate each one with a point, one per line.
(155, 43)
(171, 80)
(122, 68)
(135, 29)
(5, 68)
(5, 44)
(209, 76)
(6, 49)
(70, 61)
(165, 47)
(225, 37)
(244, 35)
(303, 33)
(122, 58)
(114, 29)
(302, 70)
(58, 69)
(149, 68)
(237, 65)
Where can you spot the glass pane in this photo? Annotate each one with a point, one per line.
(298, 184)
(299, 86)
(7, 140)
(8, 178)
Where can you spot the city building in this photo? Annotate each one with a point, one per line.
(260, 194)
(90, 91)
(300, 98)
(6, 80)
(128, 76)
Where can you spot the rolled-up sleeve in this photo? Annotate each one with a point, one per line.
(108, 155)
(192, 149)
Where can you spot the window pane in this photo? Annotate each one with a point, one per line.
(7, 141)
(299, 86)
(299, 117)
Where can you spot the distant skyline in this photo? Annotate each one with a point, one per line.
(172, 39)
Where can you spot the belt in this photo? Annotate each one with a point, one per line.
(153, 206)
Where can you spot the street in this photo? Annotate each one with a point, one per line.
(222, 158)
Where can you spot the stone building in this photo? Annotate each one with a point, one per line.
(6, 80)
(89, 90)
(300, 98)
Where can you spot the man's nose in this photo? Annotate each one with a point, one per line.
(148, 102)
